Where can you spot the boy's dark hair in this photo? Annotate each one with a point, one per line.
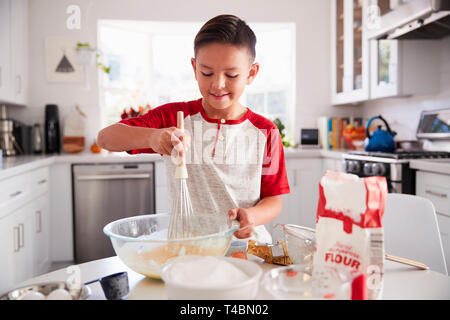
(226, 29)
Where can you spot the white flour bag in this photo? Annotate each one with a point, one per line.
(349, 230)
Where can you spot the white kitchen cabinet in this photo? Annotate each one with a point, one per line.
(24, 227)
(395, 71)
(161, 190)
(41, 235)
(6, 255)
(300, 206)
(14, 51)
(349, 52)
(21, 228)
(19, 51)
(401, 67)
(436, 187)
(332, 165)
(61, 213)
(5, 51)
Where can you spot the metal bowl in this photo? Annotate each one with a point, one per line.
(45, 288)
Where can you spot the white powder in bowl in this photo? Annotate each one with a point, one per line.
(206, 272)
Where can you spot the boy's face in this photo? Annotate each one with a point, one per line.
(222, 72)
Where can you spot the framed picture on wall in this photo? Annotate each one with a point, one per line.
(62, 61)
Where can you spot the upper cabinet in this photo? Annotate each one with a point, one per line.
(364, 69)
(404, 67)
(14, 51)
(400, 67)
(350, 52)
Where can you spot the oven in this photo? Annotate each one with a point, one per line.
(394, 166)
(433, 133)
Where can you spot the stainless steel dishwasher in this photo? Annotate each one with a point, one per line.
(104, 193)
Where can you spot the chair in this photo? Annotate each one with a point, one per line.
(411, 230)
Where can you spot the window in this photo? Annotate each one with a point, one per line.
(150, 66)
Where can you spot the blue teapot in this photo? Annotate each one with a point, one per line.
(379, 140)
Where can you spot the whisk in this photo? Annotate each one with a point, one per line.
(181, 224)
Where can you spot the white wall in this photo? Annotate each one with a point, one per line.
(48, 18)
(404, 113)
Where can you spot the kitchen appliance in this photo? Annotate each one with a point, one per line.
(413, 19)
(379, 140)
(309, 137)
(103, 193)
(7, 140)
(433, 125)
(23, 136)
(37, 138)
(52, 132)
(181, 223)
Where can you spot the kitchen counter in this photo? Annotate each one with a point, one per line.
(433, 165)
(15, 165)
(400, 281)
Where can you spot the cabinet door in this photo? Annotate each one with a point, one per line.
(350, 52)
(19, 49)
(300, 205)
(161, 191)
(8, 245)
(41, 235)
(20, 229)
(5, 50)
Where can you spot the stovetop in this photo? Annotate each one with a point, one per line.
(402, 155)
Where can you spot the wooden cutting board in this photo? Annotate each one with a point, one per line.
(73, 144)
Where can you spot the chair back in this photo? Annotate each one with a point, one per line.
(411, 230)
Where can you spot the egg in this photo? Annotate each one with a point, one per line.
(35, 295)
(59, 294)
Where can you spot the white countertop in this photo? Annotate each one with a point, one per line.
(400, 281)
(12, 166)
(433, 165)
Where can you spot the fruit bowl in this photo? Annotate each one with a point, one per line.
(141, 241)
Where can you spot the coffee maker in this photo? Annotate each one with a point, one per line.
(7, 139)
(52, 132)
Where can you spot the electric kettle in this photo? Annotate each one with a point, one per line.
(379, 140)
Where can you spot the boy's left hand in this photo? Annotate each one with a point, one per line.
(246, 222)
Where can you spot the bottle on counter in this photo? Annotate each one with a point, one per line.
(37, 138)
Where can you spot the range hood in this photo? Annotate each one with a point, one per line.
(413, 19)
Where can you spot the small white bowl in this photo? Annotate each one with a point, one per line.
(246, 290)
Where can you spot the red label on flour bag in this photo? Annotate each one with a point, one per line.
(349, 230)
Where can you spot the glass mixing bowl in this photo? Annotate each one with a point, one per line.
(141, 242)
(303, 282)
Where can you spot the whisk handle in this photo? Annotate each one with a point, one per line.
(180, 120)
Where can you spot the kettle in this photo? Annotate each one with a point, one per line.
(379, 140)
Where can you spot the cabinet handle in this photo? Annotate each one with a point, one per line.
(16, 235)
(21, 235)
(436, 194)
(114, 177)
(15, 194)
(38, 221)
(42, 181)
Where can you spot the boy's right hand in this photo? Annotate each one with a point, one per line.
(164, 140)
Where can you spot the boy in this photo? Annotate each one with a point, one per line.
(236, 164)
